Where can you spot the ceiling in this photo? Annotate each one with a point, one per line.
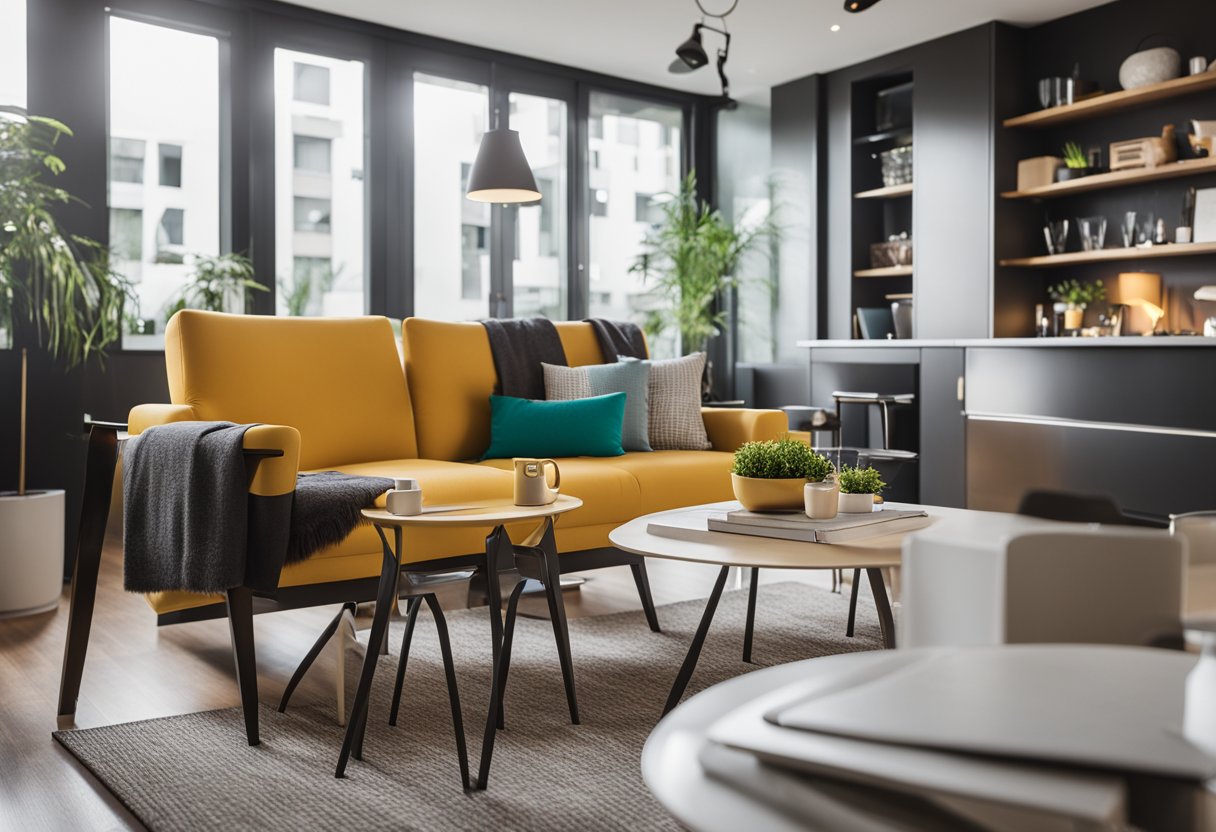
(773, 41)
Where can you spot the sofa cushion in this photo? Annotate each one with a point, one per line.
(629, 377)
(579, 427)
(451, 377)
(338, 381)
(675, 479)
(675, 422)
(609, 494)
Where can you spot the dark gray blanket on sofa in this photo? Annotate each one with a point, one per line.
(519, 346)
(191, 524)
(617, 338)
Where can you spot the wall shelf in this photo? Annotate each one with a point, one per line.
(895, 191)
(884, 136)
(1116, 101)
(1072, 258)
(1116, 179)
(888, 271)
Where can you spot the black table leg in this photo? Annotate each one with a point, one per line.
(449, 670)
(95, 508)
(557, 615)
(498, 688)
(853, 603)
(317, 647)
(885, 619)
(404, 658)
(694, 649)
(751, 615)
(498, 551)
(384, 603)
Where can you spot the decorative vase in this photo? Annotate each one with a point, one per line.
(758, 494)
(821, 500)
(856, 503)
(1074, 317)
(31, 552)
(1065, 174)
(1150, 66)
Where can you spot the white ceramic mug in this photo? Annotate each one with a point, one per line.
(531, 484)
(405, 498)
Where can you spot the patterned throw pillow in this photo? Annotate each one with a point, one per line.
(676, 423)
(632, 379)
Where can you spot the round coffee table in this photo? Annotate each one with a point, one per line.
(745, 551)
(535, 557)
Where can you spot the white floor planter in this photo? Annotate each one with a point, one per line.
(31, 552)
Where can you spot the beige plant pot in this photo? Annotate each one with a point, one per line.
(758, 494)
(1073, 318)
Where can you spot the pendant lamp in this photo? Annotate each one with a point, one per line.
(501, 172)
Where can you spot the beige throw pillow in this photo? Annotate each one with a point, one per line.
(675, 404)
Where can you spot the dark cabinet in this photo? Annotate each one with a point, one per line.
(943, 428)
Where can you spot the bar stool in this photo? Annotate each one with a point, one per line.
(884, 402)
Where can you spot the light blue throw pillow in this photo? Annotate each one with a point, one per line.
(631, 378)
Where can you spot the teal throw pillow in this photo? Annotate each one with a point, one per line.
(580, 427)
(632, 379)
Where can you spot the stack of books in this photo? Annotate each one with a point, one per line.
(792, 525)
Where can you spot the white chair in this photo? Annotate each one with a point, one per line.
(1042, 582)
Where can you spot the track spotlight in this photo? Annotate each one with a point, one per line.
(858, 5)
(691, 51)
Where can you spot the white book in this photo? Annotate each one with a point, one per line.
(797, 526)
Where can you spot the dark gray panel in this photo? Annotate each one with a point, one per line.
(952, 140)
(1166, 386)
(798, 168)
(943, 443)
(1150, 473)
(864, 355)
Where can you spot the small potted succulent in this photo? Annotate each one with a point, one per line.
(769, 476)
(1076, 163)
(1076, 296)
(858, 487)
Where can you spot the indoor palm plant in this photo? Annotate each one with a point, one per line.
(858, 488)
(692, 256)
(63, 288)
(769, 476)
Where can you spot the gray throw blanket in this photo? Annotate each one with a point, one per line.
(618, 338)
(191, 523)
(519, 347)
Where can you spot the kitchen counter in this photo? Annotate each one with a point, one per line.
(1120, 341)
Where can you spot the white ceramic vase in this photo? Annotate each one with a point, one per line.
(1150, 66)
(31, 552)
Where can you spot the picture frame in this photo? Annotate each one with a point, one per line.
(1204, 224)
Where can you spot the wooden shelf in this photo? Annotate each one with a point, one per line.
(888, 271)
(1115, 179)
(1108, 254)
(1116, 101)
(892, 192)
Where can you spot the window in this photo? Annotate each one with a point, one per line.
(651, 133)
(127, 160)
(164, 92)
(539, 281)
(311, 83)
(648, 208)
(171, 165)
(312, 154)
(127, 234)
(12, 54)
(320, 200)
(455, 114)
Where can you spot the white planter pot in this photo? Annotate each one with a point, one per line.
(31, 552)
(856, 503)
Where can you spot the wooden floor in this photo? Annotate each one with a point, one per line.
(138, 671)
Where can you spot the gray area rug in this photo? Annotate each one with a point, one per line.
(196, 772)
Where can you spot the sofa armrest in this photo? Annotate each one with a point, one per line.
(144, 416)
(730, 427)
(276, 472)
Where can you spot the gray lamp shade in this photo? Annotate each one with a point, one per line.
(501, 172)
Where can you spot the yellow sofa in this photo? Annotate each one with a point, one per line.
(335, 394)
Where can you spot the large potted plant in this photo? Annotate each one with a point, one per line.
(770, 476)
(690, 258)
(62, 289)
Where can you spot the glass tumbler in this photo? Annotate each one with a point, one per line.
(1093, 232)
